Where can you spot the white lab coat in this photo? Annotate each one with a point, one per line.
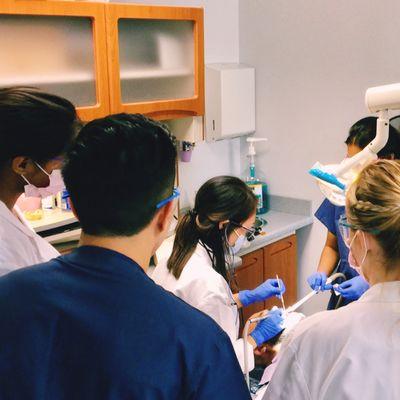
(352, 353)
(20, 246)
(205, 289)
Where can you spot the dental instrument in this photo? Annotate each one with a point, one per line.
(335, 178)
(281, 295)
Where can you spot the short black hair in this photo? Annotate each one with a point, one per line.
(364, 131)
(34, 124)
(117, 171)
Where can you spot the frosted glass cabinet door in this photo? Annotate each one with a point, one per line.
(52, 52)
(156, 59)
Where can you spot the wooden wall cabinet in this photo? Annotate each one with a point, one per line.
(277, 258)
(106, 58)
(59, 47)
(156, 60)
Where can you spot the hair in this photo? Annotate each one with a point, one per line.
(364, 131)
(373, 205)
(116, 173)
(219, 199)
(34, 124)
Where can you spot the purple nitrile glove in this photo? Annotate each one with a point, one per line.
(269, 288)
(269, 327)
(353, 289)
(317, 281)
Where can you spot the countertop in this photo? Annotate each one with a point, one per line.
(279, 225)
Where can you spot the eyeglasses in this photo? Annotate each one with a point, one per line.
(175, 194)
(345, 228)
(251, 233)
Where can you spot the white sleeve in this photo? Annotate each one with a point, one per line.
(225, 316)
(288, 381)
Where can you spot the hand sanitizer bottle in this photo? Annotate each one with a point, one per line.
(258, 186)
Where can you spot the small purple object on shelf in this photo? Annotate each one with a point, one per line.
(186, 155)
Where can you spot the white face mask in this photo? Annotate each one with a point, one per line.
(352, 261)
(56, 185)
(238, 244)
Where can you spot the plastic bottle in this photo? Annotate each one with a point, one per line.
(258, 186)
(65, 201)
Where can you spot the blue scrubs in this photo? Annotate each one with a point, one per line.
(329, 215)
(92, 325)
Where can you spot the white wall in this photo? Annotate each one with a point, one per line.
(314, 60)
(221, 31)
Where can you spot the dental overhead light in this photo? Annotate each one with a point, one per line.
(334, 179)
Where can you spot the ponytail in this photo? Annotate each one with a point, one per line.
(186, 239)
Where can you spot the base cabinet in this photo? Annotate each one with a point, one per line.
(279, 258)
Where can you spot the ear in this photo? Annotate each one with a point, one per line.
(20, 165)
(71, 204)
(370, 241)
(222, 224)
(165, 215)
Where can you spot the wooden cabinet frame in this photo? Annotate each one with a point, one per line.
(160, 109)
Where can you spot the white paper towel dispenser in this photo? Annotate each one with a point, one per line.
(230, 101)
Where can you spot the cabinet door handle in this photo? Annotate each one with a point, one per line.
(288, 245)
(253, 261)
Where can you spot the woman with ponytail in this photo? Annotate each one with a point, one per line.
(198, 269)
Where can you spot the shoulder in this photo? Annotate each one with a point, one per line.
(324, 328)
(180, 316)
(29, 275)
(327, 215)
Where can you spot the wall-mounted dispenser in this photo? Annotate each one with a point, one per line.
(230, 101)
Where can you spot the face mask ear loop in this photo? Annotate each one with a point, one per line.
(42, 169)
(366, 248)
(26, 180)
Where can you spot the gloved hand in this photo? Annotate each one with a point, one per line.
(269, 327)
(266, 290)
(353, 289)
(317, 281)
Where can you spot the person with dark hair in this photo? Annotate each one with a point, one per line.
(335, 254)
(92, 324)
(35, 130)
(198, 270)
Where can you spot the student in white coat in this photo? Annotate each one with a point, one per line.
(35, 129)
(198, 269)
(354, 352)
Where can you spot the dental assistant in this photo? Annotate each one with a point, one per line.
(198, 270)
(334, 256)
(35, 129)
(354, 352)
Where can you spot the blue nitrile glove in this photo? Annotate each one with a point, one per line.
(269, 327)
(266, 290)
(353, 289)
(317, 281)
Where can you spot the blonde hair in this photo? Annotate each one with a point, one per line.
(373, 205)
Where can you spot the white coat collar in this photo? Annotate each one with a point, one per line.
(387, 292)
(18, 222)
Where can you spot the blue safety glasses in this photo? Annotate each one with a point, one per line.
(175, 194)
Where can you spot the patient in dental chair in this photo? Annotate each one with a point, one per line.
(266, 355)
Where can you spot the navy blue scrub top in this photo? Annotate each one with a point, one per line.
(329, 215)
(92, 325)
